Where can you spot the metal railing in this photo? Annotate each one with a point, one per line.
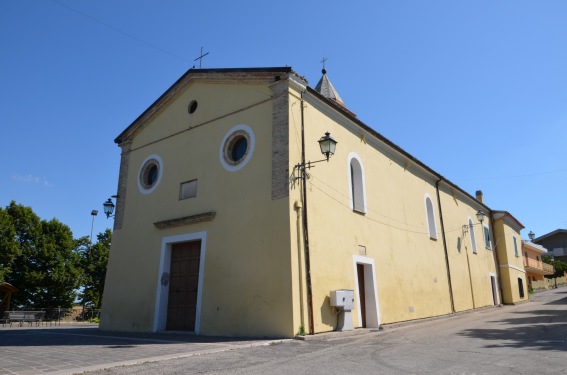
(56, 316)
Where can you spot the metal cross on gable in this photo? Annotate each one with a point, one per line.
(323, 61)
(200, 58)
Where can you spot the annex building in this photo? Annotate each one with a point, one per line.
(222, 228)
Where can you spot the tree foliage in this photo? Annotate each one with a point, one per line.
(46, 270)
(94, 259)
(9, 249)
(559, 266)
(47, 265)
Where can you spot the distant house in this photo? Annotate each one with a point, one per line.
(511, 262)
(218, 230)
(555, 242)
(536, 269)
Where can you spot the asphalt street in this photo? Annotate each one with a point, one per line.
(530, 338)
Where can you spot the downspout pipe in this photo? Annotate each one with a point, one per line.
(305, 225)
(445, 246)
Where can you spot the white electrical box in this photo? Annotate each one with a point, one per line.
(343, 298)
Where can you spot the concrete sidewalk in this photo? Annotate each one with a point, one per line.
(71, 349)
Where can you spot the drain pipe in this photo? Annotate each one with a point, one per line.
(445, 246)
(305, 226)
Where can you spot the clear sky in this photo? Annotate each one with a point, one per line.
(477, 90)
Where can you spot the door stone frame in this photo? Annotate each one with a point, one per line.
(162, 291)
(371, 292)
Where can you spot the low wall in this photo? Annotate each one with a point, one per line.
(548, 283)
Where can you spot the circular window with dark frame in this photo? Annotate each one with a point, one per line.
(237, 148)
(150, 174)
(192, 106)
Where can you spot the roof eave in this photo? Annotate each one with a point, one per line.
(129, 130)
(347, 113)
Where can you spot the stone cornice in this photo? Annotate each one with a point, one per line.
(186, 220)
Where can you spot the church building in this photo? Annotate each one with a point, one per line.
(246, 199)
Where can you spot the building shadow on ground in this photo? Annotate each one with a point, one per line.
(536, 329)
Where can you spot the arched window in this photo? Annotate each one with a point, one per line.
(356, 184)
(471, 232)
(430, 217)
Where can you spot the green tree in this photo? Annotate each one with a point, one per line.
(559, 266)
(94, 260)
(46, 270)
(9, 249)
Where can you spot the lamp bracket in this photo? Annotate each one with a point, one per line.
(302, 167)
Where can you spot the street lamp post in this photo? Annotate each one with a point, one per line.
(554, 272)
(108, 208)
(93, 214)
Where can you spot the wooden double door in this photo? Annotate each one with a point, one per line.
(183, 286)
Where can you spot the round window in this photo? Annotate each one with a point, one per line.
(237, 147)
(150, 174)
(192, 106)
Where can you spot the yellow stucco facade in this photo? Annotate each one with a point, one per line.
(402, 237)
(509, 248)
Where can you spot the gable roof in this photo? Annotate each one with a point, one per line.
(185, 79)
(551, 234)
(510, 220)
(332, 101)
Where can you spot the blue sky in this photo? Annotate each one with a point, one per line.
(477, 90)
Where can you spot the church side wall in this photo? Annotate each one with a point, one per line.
(403, 270)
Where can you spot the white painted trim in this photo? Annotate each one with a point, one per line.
(160, 313)
(427, 196)
(354, 155)
(496, 292)
(247, 157)
(513, 267)
(142, 189)
(372, 309)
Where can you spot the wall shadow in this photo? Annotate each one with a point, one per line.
(535, 329)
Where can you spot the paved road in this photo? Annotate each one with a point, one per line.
(71, 349)
(525, 339)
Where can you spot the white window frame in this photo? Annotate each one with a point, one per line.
(157, 160)
(430, 218)
(486, 229)
(362, 208)
(243, 130)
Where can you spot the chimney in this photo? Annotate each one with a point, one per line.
(479, 196)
